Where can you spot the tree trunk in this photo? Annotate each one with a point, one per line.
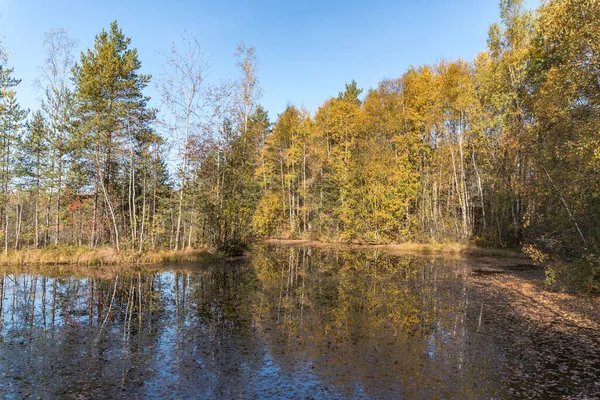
(141, 239)
(37, 203)
(94, 234)
(479, 187)
(18, 219)
(112, 213)
(583, 239)
(58, 195)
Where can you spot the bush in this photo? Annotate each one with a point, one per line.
(582, 274)
(233, 248)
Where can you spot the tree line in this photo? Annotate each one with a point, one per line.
(498, 151)
(501, 151)
(94, 165)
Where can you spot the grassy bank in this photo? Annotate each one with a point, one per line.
(84, 255)
(400, 248)
(63, 255)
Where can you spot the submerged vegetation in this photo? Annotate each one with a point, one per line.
(502, 151)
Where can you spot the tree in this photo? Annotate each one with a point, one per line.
(503, 76)
(33, 163)
(282, 208)
(351, 93)
(184, 93)
(389, 165)
(248, 94)
(58, 104)
(564, 75)
(12, 118)
(340, 131)
(109, 95)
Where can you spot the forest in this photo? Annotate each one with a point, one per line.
(502, 151)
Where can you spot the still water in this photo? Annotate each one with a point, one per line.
(288, 323)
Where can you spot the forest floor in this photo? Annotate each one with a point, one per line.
(526, 294)
(557, 333)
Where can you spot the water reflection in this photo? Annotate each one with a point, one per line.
(375, 325)
(292, 322)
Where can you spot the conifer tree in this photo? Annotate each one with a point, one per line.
(12, 120)
(109, 92)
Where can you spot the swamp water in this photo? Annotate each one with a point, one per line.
(288, 323)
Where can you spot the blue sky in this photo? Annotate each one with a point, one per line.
(307, 49)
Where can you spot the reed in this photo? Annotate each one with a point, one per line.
(84, 255)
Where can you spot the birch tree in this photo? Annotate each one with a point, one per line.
(58, 103)
(248, 94)
(183, 93)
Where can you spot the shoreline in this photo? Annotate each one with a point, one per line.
(103, 256)
(107, 255)
(509, 280)
(454, 249)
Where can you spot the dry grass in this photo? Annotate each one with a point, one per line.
(64, 255)
(453, 248)
(403, 248)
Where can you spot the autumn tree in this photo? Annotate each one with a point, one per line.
(502, 76)
(565, 78)
(248, 93)
(283, 210)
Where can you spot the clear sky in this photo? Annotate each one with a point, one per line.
(307, 49)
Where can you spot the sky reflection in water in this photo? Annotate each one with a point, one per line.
(290, 323)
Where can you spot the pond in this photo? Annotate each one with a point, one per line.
(287, 323)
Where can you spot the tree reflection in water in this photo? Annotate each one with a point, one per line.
(292, 322)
